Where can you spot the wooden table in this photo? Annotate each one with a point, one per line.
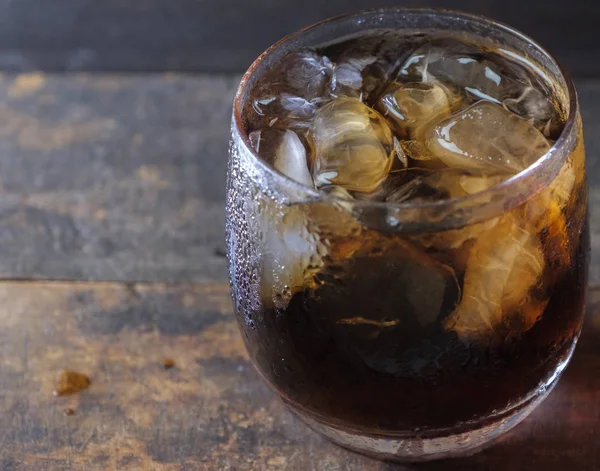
(112, 260)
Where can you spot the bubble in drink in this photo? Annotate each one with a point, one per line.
(353, 146)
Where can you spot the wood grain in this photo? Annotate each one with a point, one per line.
(210, 411)
(113, 177)
(208, 36)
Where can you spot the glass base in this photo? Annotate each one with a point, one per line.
(425, 449)
(443, 444)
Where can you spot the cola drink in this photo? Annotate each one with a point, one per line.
(370, 327)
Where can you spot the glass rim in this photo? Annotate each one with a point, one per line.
(476, 199)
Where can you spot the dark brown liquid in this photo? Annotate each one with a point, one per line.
(408, 377)
(402, 377)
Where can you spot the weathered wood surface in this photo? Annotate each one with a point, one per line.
(210, 35)
(120, 177)
(113, 177)
(211, 411)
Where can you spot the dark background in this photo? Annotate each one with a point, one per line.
(225, 35)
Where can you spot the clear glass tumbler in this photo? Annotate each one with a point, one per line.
(338, 301)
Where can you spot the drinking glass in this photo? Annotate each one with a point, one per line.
(418, 330)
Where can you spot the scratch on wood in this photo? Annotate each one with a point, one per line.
(87, 441)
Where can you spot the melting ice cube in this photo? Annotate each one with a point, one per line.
(286, 152)
(353, 145)
(485, 136)
(410, 106)
(503, 265)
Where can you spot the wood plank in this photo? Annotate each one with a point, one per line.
(122, 177)
(113, 177)
(190, 35)
(211, 411)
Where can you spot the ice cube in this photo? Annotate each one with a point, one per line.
(546, 210)
(255, 137)
(431, 186)
(295, 241)
(485, 136)
(365, 66)
(341, 193)
(347, 77)
(534, 106)
(290, 159)
(454, 183)
(418, 150)
(285, 151)
(454, 239)
(401, 161)
(290, 254)
(338, 192)
(407, 191)
(353, 146)
(503, 265)
(554, 198)
(472, 184)
(307, 74)
(562, 186)
(289, 99)
(298, 107)
(410, 106)
(285, 111)
(415, 66)
(479, 78)
(492, 78)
